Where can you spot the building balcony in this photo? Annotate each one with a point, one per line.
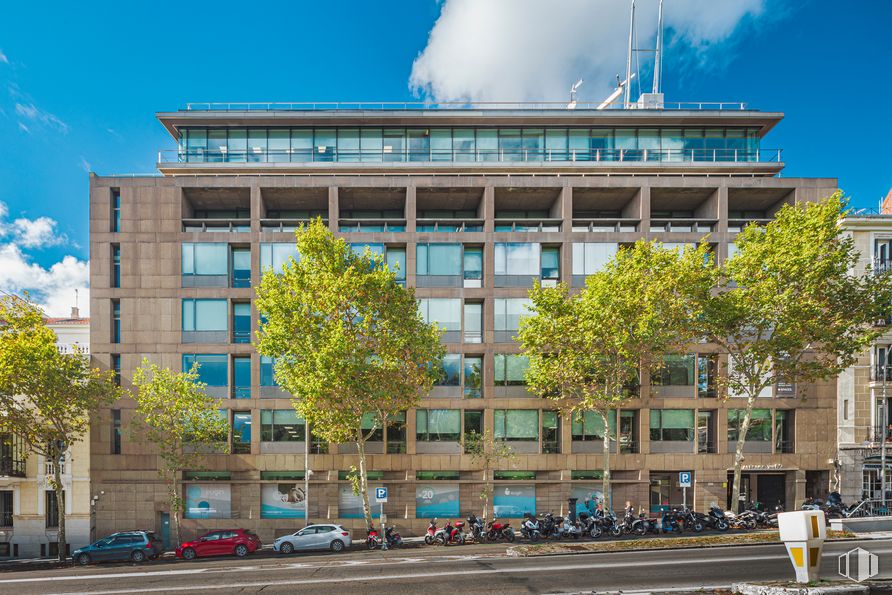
(10, 467)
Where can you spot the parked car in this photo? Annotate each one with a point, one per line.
(126, 545)
(222, 542)
(314, 537)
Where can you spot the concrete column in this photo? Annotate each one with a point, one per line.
(256, 208)
(410, 208)
(489, 210)
(644, 209)
(333, 207)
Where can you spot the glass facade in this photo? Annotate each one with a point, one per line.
(116, 266)
(672, 425)
(388, 145)
(588, 426)
(516, 425)
(241, 377)
(674, 370)
(281, 425)
(506, 317)
(450, 367)
(212, 368)
(277, 255)
(241, 322)
(590, 257)
(760, 425)
(446, 312)
(205, 315)
(438, 425)
(473, 376)
(510, 369)
(207, 259)
(267, 371)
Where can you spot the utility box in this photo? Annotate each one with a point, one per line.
(803, 533)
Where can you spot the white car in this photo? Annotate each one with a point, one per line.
(314, 537)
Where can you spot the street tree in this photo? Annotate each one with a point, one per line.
(348, 341)
(488, 452)
(47, 397)
(586, 349)
(174, 413)
(790, 307)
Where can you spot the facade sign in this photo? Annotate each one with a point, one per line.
(514, 500)
(685, 479)
(350, 504)
(208, 501)
(432, 501)
(282, 501)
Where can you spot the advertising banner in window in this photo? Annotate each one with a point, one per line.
(587, 498)
(432, 501)
(282, 501)
(514, 500)
(208, 501)
(350, 504)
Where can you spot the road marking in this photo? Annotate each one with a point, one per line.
(84, 577)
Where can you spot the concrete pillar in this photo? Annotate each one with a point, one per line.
(333, 208)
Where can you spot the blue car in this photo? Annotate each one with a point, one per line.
(135, 546)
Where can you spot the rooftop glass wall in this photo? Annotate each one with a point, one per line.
(353, 145)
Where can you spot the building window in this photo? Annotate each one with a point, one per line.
(473, 376)
(241, 432)
(473, 266)
(784, 432)
(516, 264)
(510, 369)
(705, 432)
(845, 409)
(371, 428)
(212, 368)
(674, 370)
(241, 322)
(760, 425)
(438, 425)
(267, 371)
(52, 508)
(473, 422)
(450, 367)
(446, 313)
(551, 263)
(6, 509)
(707, 371)
(116, 367)
(205, 320)
(671, 425)
(115, 210)
(438, 265)
(116, 432)
(551, 432)
(589, 258)
(506, 317)
(396, 433)
(628, 431)
(516, 425)
(116, 265)
(240, 276)
(588, 426)
(275, 256)
(281, 425)
(116, 321)
(206, 264)
(396, 263)
(473, 322)
(241, 377)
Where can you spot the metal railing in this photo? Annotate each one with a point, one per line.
(334, 155)
(49, 468)
(450, 105)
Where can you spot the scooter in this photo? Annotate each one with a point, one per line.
(645, 524)
(530, 528)
(451, 533)
(393, 538)
(671, 521)
(373, 540)
(432, 531)
(569, 528)
(476, 529)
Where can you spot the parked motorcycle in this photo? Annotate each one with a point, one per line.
(393, 538)
(530, 528)
(569, 529)
(550, 526)
(671, 521)
(645, 524)
(496, 531)
(451, 533)
(373, 539)
(695, 521)
(476, 528)
(744, 520)
(716, 519)
(608, 523)
(432, 531)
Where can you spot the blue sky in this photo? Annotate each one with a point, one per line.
(79, 85)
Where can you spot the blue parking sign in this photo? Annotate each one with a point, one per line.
(684, 479)
(381, 494)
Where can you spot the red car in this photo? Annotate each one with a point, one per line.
(221, 542)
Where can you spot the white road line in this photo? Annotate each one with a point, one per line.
(84, 577)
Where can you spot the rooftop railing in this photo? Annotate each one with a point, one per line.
(450, 105)
(332, 154)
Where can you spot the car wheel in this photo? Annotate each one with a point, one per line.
(337, 546)
(241, 550)
(83, 559)
(188, 554)
(287, 548)
(138, 556)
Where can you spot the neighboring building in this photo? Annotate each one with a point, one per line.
(29, 517)
(886, 204)
(473, 203)
(865, 389)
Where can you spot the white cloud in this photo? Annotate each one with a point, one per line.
(85, 165)
(31, 112)
(3, 58)
(52, 287)
(514, 50)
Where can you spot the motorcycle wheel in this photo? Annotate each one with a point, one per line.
(428, 540)
(595, 532)
(460, 540)
(509, 535)
(721, 525)
(372, 544)
(750, 524)
(616, 530)
(640, 530)
(697, 527)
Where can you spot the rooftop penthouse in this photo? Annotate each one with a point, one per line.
(683, 138)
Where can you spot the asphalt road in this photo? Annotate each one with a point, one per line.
(473, 569)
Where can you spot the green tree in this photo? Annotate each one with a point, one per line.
(586, 349)
(46, 397)
(485, 450)
(347, 339)
(790, 307)
(174, 413)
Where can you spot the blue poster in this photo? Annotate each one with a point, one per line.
(208, 501)
(587, 498)
(436, 501)
(282, 501)
(513, 500)
(350, 504)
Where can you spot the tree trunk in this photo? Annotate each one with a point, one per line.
(738, 451)
(487, 493)
(364, 482)
(173, 501)
(60, 506)
(608, 497)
